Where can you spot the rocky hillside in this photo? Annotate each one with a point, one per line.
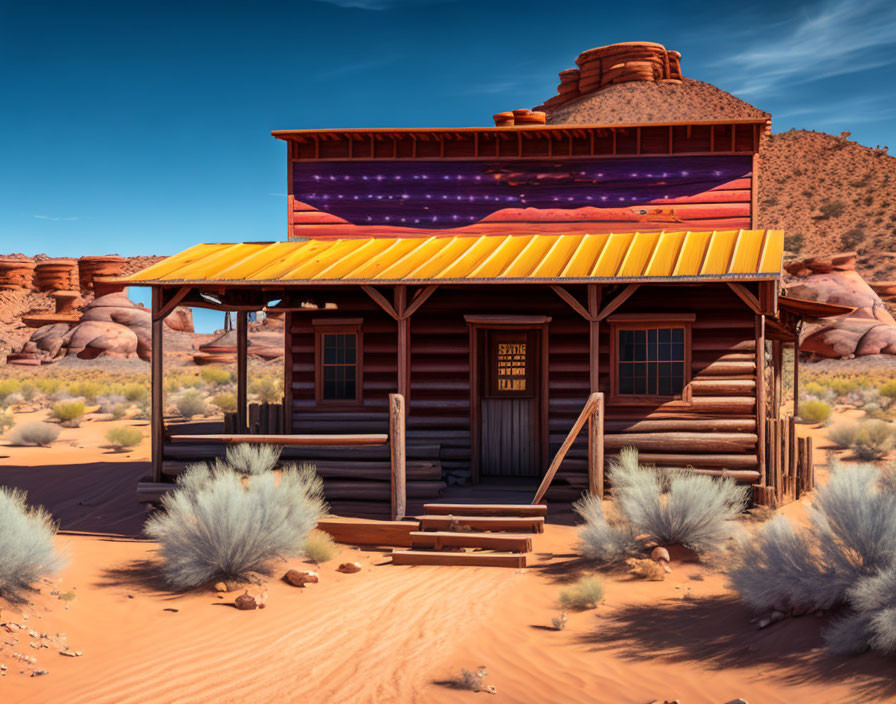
(831, 195)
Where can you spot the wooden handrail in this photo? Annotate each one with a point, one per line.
(356, 440)
(594, 403)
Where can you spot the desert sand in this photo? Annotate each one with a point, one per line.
(387, 633)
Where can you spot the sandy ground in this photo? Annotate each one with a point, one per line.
(388, 633)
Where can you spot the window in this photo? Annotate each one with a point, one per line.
(338, 361)
(651, 357)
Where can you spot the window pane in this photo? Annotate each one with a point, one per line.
(651, 362)
(651, 344)
(626, 345)
(339, 366)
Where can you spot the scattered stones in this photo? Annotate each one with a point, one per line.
(299, 578)
(220, 587)
(244, 602)
(350, 567)
(559, 623)
(660, 554)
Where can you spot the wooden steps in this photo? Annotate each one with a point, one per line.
(470, 559)
(435, 540)
(525, 524)
(519, 510)
(476, 535)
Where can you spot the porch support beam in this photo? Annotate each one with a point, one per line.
(242, 368)
(618, 300)
(573, 303)
(596, 420)
(760, 397)
(404, 342)
(171, 304)
(381, 301)
(156, 385)
(744, 294)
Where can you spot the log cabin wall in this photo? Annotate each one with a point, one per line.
(717, 430)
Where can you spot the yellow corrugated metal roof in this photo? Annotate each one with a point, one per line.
(629, 256)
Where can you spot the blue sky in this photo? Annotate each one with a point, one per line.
(144, 127)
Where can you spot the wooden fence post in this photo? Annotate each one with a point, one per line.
(596, 450)
(157, 385)
(398, 455)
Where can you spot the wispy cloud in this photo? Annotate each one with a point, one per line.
(833, 38)
(842, 113)
(376, 5)
(356, 67)
(55, 218)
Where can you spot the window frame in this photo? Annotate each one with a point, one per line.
(351, 326)
(649, 321)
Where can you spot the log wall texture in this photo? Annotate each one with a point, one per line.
(716, 431)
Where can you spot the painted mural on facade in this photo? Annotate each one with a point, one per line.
(417, 198)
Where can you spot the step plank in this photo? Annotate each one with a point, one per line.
(526, 524)
(486, 509)
(435, 540)
(470, 559)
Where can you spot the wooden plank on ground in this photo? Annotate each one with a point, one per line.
(472, 559)
(436, 540)
(359, 531)
(527, 524)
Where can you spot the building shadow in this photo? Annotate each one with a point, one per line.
(718, 633)
(96, 497)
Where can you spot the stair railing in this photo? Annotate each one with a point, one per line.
(593, 412)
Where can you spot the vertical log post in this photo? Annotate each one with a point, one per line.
(596, 421)
(287, 372)
(760, 397)
(242, 368)
(398, 455)
(156, 384)
(596, 450)
(777, 370)
(796, 378)
(404, 342)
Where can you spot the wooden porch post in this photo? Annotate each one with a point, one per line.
(398, 456)
(778, 369)
(156, 434)
(796, 376)
(404, 342)
(596, 420)
(242, 368)
(287, 371)
(760, 397)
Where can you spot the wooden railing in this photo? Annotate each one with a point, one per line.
(593, 413)
(395, 439)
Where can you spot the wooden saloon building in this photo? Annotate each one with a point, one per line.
(455, 298)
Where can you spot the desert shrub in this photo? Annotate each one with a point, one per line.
(191, 403)
(248, 458)
(852, 238)
(473, 681)
(27, 552)
(28, 390)
(216, 376)
(814, 411)
(6, 422)
(217, 525)
(7, 388)
(48, 386)
(844, 435)
(41, 434)
(69, 412)
(794, 242)
(832, 209)
(584, 593)
(226, 401)
(851, 538)
(888, 389)
(88, 390)
(814, 389)
(267, 389)
(695, 510)
(123, 436)
(320, 547)
(598, 538)
(136, 393)
(113, 404)
(874, 440)
(872, 622)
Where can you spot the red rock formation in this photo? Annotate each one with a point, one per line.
(625, 62)
(520, 116)
(56, 275)
(16, 273)
(870, 329)
(89, 267)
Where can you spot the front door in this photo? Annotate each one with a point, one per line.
(509, 403)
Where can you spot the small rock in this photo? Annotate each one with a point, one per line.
(660, 554)
(244, 602)
(38, 673)
(764, 623)
(299, 578)
(71, 653)
(220, 587)
(350, 567)
(174, 611)
(737, 701)
(777, 616)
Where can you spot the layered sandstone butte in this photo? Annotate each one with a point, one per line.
(870, 329)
